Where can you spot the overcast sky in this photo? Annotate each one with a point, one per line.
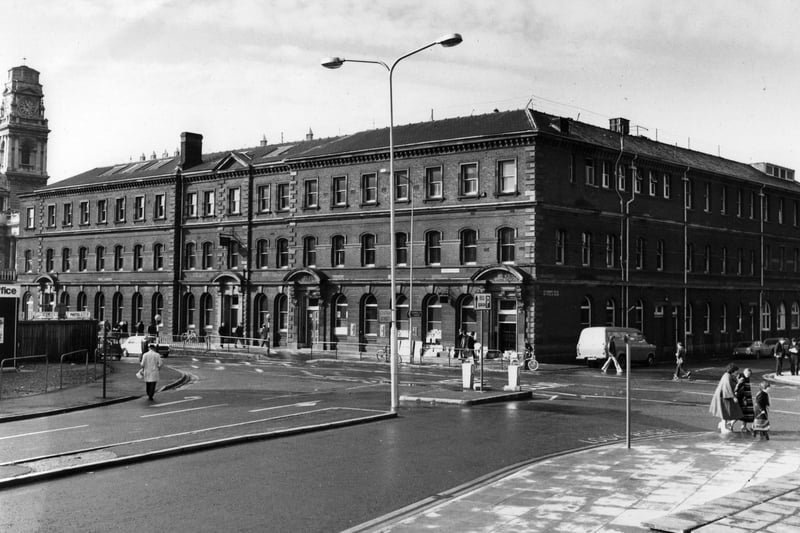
(122, 78)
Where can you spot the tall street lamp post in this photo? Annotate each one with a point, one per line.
(335, 62)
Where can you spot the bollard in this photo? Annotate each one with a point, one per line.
(513, 376)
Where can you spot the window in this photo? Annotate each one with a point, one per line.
(611, 251)
(207, 256)
(232, 255)
(100, 258)
(586, 249)
(401, 317)
(795, 213)
(611, 312)
(263, 198)
(28, 266)
(311, 196)
(469, 247)
(137, 304)
(119, 210)
(433, 183)
(340, 315)
(401, 186)
(65, 260)
(765, 207)
(707, 318)
(724, 261)
(781, 317)
(468, 179)
(795, 317)
(368, 249)
(282, 253)
(401, 248)
(780, 210)
(605, 180)
(638, 181)
(370, 314)
(469, 317)
(283, 196)
(505, 245)
(100, 306)
(739, 262)
(191, 256)
(158, 256)
(49, 259)
(660, 254)
(138, 259)
(339, 193)
(588, 170)
(84, 212)
(262, 253)
(766, 317)
(138, 208)
(507, 176)
(234, 201)
(433, 319)
(83, 259)
(561, 247)
(208, 203)
(586, 312)
(739, 318)
(622, 182)
(752, 206)
(667, 186)
(310, 251)
(337, 251)
(51, 216)
(81, 303)
(688, 189)
(707, 259)
(433, 248)
(191, 205)
(653, 183)
(160, 207)
(752, 262)
(707, 197)
(724, 200)
(739, 203)
(369, 188)
(638, 315)
(723, 318)
(640, 253)
(119, 259)
(67, 220)
(282, 313)
(689, 257)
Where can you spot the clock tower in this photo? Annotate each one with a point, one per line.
(23, 135)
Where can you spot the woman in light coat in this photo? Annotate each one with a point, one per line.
(724, 403)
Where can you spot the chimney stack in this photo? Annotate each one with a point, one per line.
(620, 125)
(191, 149)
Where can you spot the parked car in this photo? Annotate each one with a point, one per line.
(111, 345)
(769, 345)
(593, 342)
(137, 345)
(755, 349)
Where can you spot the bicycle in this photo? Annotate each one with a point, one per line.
(529, 360)
(384, 354)
(189, 336)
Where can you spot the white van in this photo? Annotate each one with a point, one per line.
(593, 342)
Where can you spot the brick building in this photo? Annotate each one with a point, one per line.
(563, 224)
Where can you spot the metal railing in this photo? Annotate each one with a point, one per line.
(61, 366)
(15, 359)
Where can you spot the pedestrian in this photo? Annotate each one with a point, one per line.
(724, 404)
(462, 344)
(239, 333)
(794, 356)
(152, 330)
(761, 422)
(140, 328)
(150, 364)
(611, 355)
(223, 334)
(472, 347)
(264, 334)
(680, 371)
(744, 395)
(779, 352)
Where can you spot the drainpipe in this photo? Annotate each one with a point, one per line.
(621, 216)
(761, 269)
(685, 181)
(628, 240)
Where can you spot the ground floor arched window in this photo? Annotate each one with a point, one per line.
(766, 316)
(401, 317)
(340, 315)
(136, 307)
(99, 306)
(586, 312)
(188, 319)
(27, 306)
(206, 312)
(468, 319)
(433, 319)
(611, 312)
(117, 308)
(369, 317)
(157, 306)
(282, 314)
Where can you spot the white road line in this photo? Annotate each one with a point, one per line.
(43, 432)
(301, 404)
(184, 410)
(185, 399)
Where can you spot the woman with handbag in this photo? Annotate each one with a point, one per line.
(724, 403)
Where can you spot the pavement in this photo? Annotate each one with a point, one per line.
(699, 482)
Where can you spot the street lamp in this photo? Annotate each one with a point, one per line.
(447, 41)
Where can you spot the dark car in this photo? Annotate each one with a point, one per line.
(113, 346)
(754, 349)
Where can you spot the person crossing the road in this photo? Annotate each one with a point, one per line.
(611, 355)
(680, 371)
(151, 363)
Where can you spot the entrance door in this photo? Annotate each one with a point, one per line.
(309, 316)
(507, 325)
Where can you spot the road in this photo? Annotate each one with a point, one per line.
(334, 479)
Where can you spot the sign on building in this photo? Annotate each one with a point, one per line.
(483, 302)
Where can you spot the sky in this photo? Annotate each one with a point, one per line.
(125, 78)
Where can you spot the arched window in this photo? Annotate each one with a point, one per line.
(261, 310)
(158, 256)
(206, 312)
(63, 299)
(433, 319)
(586, 312)
(190, 256)
(81, 302)
(99, 306)
(611, 312)
(340, 315)
(117, 308)
(310, 251)
(723, 318)
(369, 316)
(433, 248)
(207, 256)
(83, 261)
(781, 325)
(638, 315)
(468, 250)
(688, 319)
(401, 317)
(65, 260)
(505, 245)
(739, 318)
(707, 318)
(157, 308)
(282, 313)
(469, 317)
(138, 257)
(282, 253)
(100, 258)
(49, 260)
(136, 307)
(766, 316)
(262, 253)
(368, 250)
(188, 312)
(337, 251)
(795, 315)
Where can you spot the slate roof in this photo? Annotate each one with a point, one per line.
(491, 125)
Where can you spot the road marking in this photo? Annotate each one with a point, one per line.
(43, 432)
(185, 399)
(301, 404)
(184, 410)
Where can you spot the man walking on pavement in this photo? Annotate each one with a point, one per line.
(151, 363)
(779, 352)
(794, 356)
(611, 355)
(680, 371)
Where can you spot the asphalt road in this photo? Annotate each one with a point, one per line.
(336, 479)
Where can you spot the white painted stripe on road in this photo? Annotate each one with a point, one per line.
(301, 404)
(184, 410)
(185, 399)
(43, 432)
(260, 370)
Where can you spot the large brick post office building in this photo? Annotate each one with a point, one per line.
(562, 223)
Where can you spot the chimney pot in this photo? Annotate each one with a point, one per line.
(310, 135)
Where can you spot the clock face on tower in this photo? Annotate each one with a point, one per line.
(27, 106)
